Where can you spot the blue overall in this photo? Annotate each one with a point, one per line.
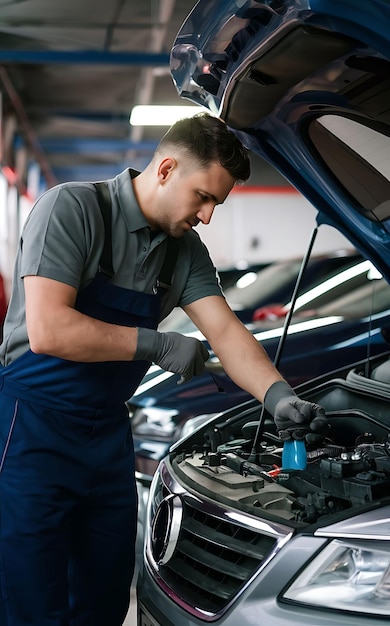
(68, 499)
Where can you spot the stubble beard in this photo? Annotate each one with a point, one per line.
(172, 230)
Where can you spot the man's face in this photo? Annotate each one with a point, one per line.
(188, 195)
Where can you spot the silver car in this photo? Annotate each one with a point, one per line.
(234, 537)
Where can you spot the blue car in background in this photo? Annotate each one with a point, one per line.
(233, 535)
(273, 284)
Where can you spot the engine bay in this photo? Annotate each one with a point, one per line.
(351, 469)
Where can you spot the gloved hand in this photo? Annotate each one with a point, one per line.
(173, 352)
(295, 418)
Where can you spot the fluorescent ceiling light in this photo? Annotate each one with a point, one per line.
(156, 115)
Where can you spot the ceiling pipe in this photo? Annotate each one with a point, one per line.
(30, 136)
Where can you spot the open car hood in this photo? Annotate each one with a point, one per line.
(306, 85)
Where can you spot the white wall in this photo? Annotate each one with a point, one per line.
(258, 224)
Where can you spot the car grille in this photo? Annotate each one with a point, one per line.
(213, 559)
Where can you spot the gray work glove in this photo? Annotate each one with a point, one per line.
(295, 418)
(173, 352)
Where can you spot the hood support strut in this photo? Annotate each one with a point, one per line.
(305, 260)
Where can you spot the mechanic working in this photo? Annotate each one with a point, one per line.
(94, 275)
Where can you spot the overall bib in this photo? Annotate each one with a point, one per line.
(68, 499)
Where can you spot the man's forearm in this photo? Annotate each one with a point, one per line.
(56, 328)
(77, 337)
(246, 362)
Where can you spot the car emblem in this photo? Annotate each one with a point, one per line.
(165, 530)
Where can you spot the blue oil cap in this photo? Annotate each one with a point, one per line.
(294, 455)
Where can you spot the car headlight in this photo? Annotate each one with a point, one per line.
(153, 422)
(346, 576)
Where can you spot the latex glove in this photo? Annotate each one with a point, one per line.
(173, 352)
(295, 418)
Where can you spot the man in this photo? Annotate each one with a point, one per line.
(79, 336)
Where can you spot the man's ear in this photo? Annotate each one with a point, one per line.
(165, 168)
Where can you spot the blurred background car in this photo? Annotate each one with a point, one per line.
(229, 276)
(339, 320)
(269, 285)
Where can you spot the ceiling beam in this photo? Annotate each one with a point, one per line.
(87, 57)
(87, 145)
(96, 171)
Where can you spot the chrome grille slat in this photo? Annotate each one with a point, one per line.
(218, 538)
(213, 558)
(212, 561)
(201, 580)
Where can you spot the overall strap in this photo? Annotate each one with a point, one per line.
(165, 276)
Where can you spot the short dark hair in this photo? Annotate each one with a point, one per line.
(207, 138)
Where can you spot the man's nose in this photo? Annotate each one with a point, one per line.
(206, 213)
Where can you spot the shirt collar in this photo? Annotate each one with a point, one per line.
(132, 214)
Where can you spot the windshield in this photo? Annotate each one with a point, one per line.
(370, 299)
(266, 282)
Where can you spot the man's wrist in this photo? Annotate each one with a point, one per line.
(278, 390)
(147, 344)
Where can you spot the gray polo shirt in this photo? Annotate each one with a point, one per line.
(63, 237)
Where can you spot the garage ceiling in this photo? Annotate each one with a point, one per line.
(70, 72)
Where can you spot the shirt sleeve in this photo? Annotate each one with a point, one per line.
(58, 237)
